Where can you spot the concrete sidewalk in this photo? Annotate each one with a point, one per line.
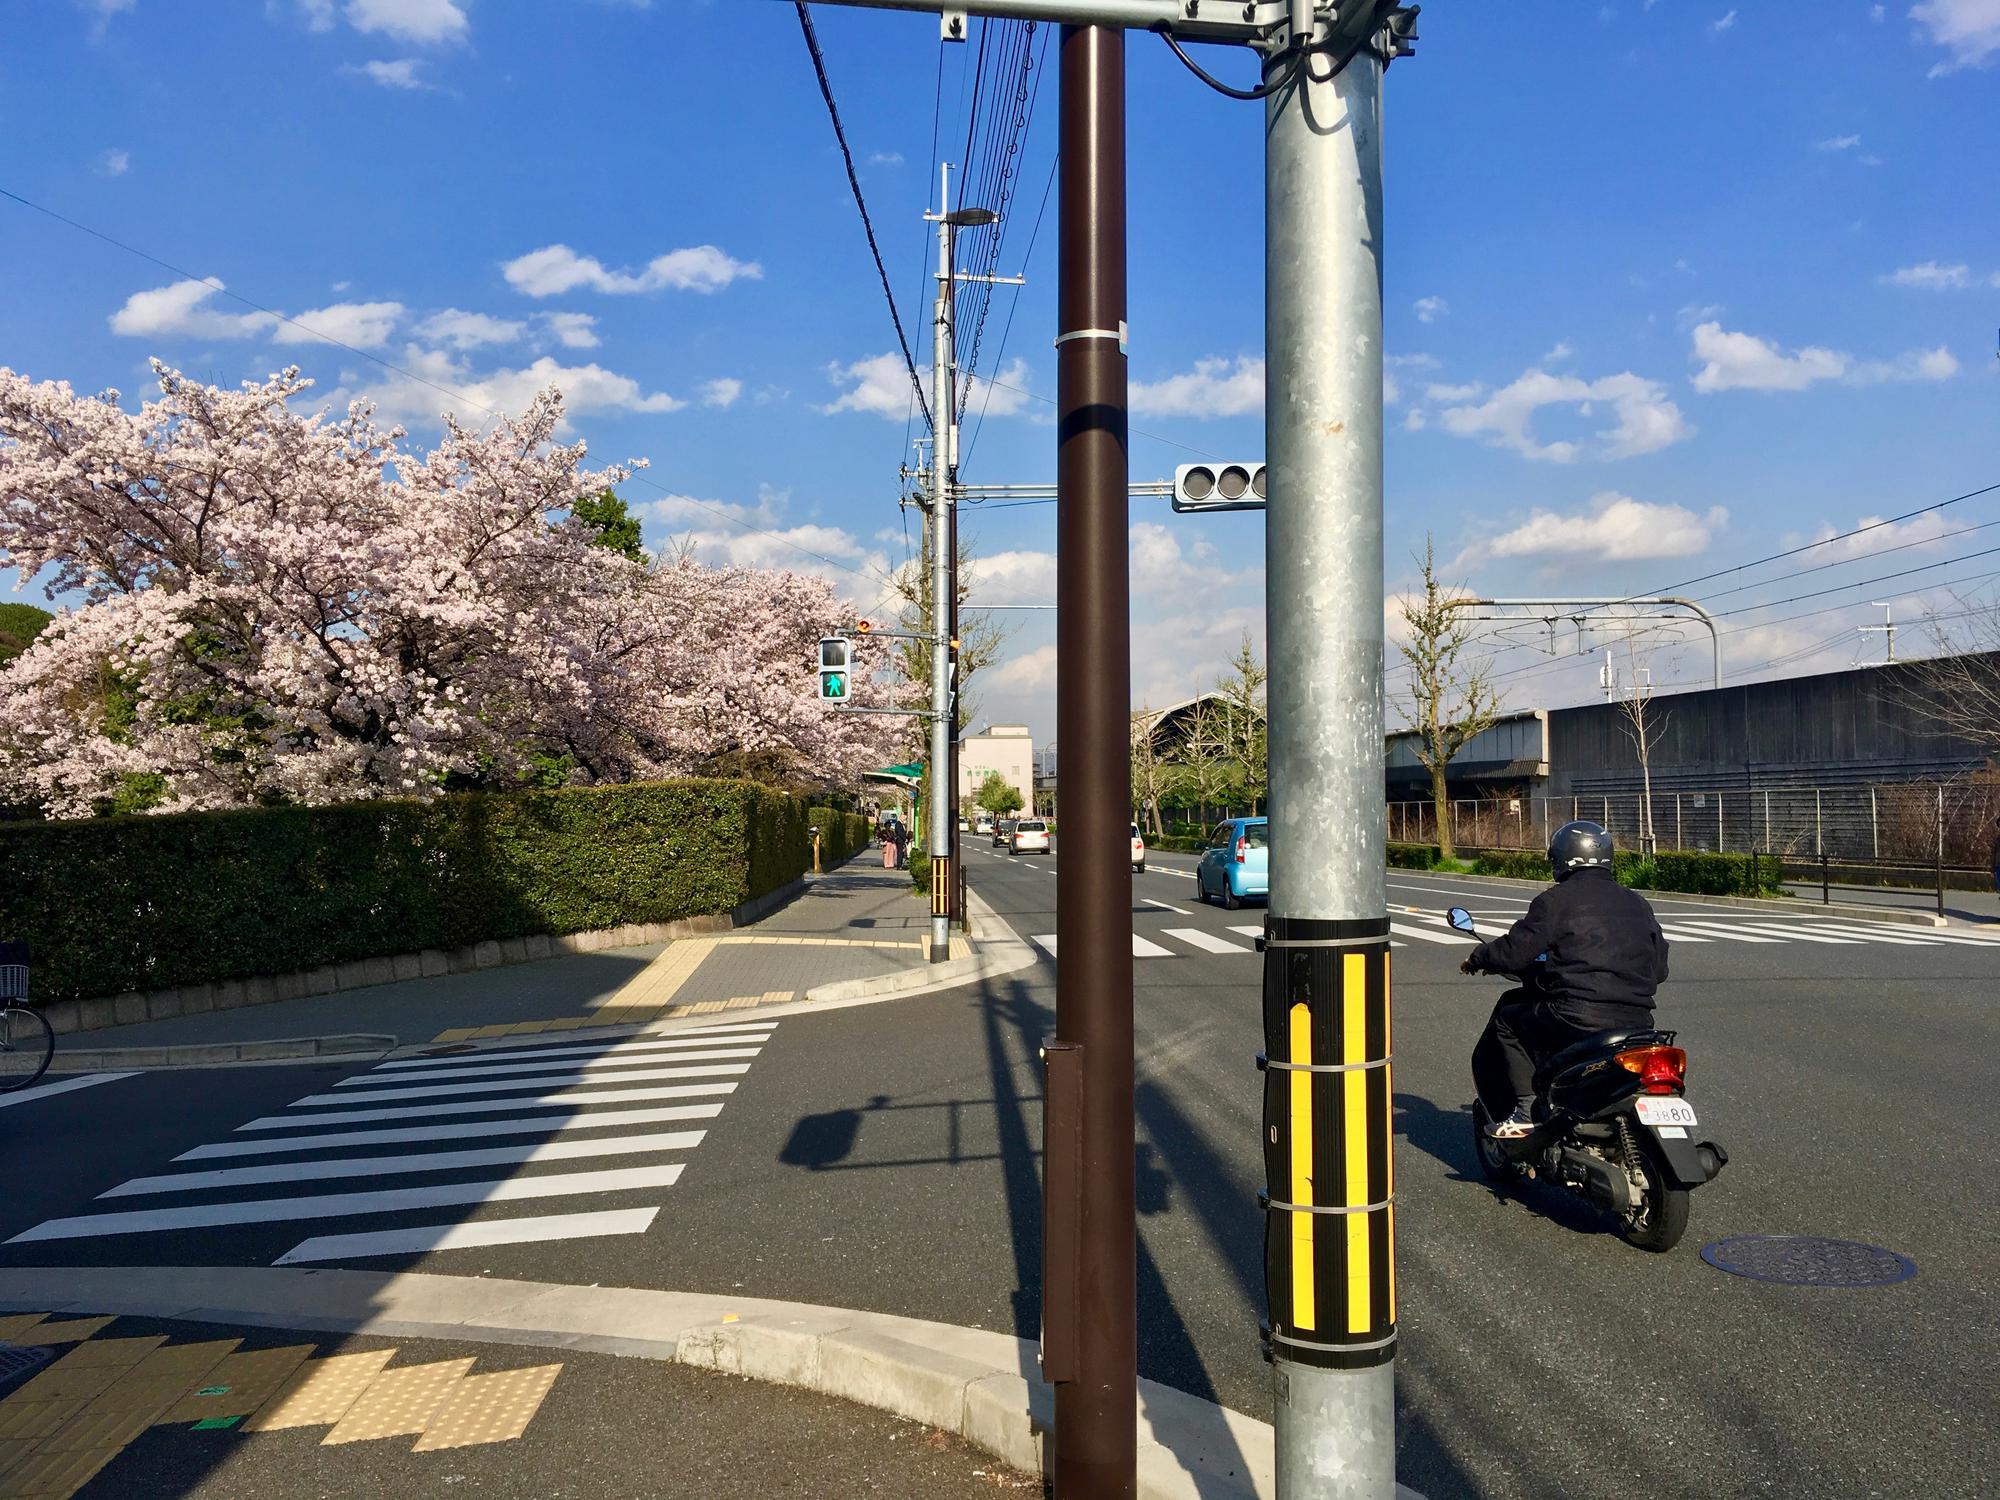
(855, 927)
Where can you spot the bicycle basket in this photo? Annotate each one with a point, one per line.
(13, 981)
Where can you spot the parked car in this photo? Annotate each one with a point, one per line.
(1236, 865)
(1001, 828)
(1138, 851)
(1029, 836)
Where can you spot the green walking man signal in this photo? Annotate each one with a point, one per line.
(836, 656)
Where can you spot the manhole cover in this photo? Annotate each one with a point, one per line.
(18, 1362)
(1807, 1260)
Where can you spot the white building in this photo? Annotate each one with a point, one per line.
(1006, 748)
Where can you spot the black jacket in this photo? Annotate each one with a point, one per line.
(1602, 942)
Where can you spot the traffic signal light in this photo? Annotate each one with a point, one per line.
(836, 658)
(1219, 487)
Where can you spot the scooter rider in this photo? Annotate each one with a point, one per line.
(1603, 958)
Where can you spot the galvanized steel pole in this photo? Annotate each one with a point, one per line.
(940, 533)
(1090, 1251)
(1329, 1261)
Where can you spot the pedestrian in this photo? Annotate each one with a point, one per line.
(888, 831)
(902, 847)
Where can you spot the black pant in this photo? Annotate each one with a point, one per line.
(1526, 1028)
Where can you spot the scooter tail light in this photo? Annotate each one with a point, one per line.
(1661, 1070)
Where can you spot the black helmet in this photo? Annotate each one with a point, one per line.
(1580, 846)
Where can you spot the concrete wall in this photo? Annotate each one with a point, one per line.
(1006, 748)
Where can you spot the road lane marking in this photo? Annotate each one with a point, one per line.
(68, 1085)
(533, 1229)
(595, 1063)
(1046, 941)
(1674, 934)
(1722, 930)
(394, 1166)
(1425, 935)
(1902, 936)
(1146, 948)
(1163, 906)
(1796, 933)
(487, 1106)
(636, 1075)
(607, 1119)
(1248, 931)
(621, 1048)
(344, 1205)
(1208, 942)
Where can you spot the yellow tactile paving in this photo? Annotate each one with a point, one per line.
(13, 1450)
(73, 1331)
(245, 1381)
(120, 1352)
(91, 1430)
(399, 1402)
(322, 1391)
(54, 1474)
(491, 1408)
(31, 1421)
(454, 1034)
(16, 1324)
(176, 1360)
(87, 1371)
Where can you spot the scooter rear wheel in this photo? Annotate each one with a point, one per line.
(1494, 1164)
(1659, 1224)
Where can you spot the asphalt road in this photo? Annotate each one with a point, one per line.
(886, 1157)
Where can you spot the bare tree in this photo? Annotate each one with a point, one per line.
(1643, 725)
(1202, 755)
(1956, 693)
(1452, 696)
(1245, 730)
(1154, 776)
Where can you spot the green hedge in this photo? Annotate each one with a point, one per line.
(142, 903)
(1412, 856)
(920, 873)
(842, 835)
(1685, 873)
(1177, 843)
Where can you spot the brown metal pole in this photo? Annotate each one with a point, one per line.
(958, 908)
(1090, 1260)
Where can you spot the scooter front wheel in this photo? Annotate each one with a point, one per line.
(1661, 1217)
(1494, 1164)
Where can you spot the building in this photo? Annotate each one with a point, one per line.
(1006, 748)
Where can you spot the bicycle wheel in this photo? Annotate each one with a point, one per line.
(26, 1045)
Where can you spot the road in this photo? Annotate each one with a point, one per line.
(886, 1157)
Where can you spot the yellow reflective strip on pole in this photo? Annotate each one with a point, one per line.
(1305, 1313)
(1389, 1149)
(1354, 1049)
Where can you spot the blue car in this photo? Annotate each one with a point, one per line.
(1236, 865)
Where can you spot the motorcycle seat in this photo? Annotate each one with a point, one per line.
(1589, 1047)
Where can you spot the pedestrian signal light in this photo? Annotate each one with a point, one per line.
(836, 656)
(1219, 487)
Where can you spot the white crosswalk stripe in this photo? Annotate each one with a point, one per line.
(1714, 930)
(1429, 935)
(1208, 942)
(320, 1159)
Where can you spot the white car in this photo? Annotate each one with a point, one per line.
(1030, 836)
(1138, 851)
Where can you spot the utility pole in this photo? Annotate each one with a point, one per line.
(1330, 1275)
(938, 532)
(1887, 629)
(1090, 1259)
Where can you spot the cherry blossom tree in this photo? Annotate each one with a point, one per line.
(261, 605)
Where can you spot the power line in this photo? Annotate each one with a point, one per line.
(867, 225)
(1135, 431)
(1013, 307)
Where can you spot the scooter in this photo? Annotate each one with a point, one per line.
(1612, 1125)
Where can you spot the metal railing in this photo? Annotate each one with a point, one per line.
(1927, 825)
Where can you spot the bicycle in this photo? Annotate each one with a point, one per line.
(27, 1042)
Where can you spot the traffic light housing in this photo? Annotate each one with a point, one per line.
(836, 660)
(1237, 486)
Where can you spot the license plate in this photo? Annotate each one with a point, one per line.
(1654, 1110)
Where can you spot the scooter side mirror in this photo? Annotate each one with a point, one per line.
(1460, 918)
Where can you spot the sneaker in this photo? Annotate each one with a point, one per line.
(1515, 1126)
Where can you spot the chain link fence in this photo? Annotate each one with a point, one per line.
(1917, 824)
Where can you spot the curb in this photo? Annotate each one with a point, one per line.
(1005, 954)
(215, 1054)
(984, 1387)
(1850, 910)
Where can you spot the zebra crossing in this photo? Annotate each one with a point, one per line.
(388, 1148)
(1408, 926)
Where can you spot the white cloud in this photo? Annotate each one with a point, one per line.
(706, 525)
(572, 330)
(1562, 351)
(886, 159)
(182, 309)
(1723, 24)
(878, 384)
(1032, 672)
(1744, 362)
(1930, 276)
(363, 325)
(1213, 388)
(1925, 529)
(1968, 29)
(1877, 13)
(1646, 421)
(1392, 390)
(113, 163)
(555, 269)
(427, 21)
(318, 14)
(586, 389)
(400, 73)
(1695, 312)
(1411, 361)
(468, 330)
(1430, 309)
(721, 392)
(1837, 143)
(1614, 528)
(1455, 395)
(1007, 394)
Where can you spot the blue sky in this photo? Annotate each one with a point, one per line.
(1670, 285)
